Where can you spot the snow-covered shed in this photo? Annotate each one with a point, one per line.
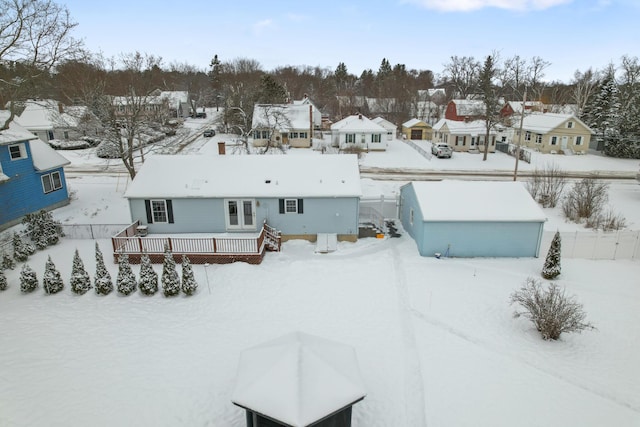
(300, 196)
(472, 218)
(298, 380)
(417, 129)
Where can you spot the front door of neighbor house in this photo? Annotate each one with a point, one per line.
(563, 142)
(240, 214)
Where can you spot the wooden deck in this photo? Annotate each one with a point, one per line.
(199, 250)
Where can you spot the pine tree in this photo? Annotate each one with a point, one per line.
(52, 281)
(126, 280)
(551, 268)
(170, 278)
(21, 250)
(148, 277)
(28, 279)
(103, 283)
(189, 284)
(80, 281)
(7, 262)
(3, 280)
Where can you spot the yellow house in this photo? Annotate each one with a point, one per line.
(417, 130)
(554, 133)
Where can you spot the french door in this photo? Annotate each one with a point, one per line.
(240, 214)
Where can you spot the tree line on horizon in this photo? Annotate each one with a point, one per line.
(40, 59)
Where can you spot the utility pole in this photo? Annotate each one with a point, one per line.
(524, 104)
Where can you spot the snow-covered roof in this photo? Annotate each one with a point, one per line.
(543, 123)
(469, 107)
(516, 106)
(175, 96)
(45, 157)
(15, 133)
(199, 176)
(283, 117)
(298, 379)
(414, 122)
(456, 127)
(357, 123)
(44, 114)
(451, 200)
(384, 123)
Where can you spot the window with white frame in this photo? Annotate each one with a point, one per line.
(159, 210)
(302, 135)
(291, 205)
(459, 140)
(554, 140)
(376, 137)
(17, 151)
(578, 140)
(481, 139)
(569, 125)
(527, 136)
(293, 135)
(51, 182)
(350, 138)
(538, 138)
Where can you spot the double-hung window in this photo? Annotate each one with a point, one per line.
(51, 182)
(17, 151)
(538, 138)
(527, 136)
(578, 140)
(291, 206)
(376, 137)
(554, 140)
(159, 210)
(350, 138)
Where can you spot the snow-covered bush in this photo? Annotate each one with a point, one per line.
(21, 249)
(126, 280)
(586, 203)
(108, 149)
(102, 279)
(28, 279)
(170, 277)
(3, 281)
(42, 229)
(189, 284)
(551, 310)
(546, 185)
(148, 277)
(551, 268)
(52, 281)
(80, 281)
(8, 263)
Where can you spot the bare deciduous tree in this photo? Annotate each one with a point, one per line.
(462, 73)
(35, 35)
(551, 310)
(586, 199)
(546, 185)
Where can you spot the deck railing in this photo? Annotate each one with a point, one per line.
(200, 250)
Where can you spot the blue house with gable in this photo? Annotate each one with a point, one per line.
(31, 175)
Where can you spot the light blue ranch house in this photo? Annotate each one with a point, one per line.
(31, 175)
(472, 218)
(299, 195)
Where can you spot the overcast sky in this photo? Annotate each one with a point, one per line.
(422, 34)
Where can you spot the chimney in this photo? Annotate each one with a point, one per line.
(60, 109)
(221, 148)
(360, 116)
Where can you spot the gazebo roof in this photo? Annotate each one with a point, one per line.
(298, 379)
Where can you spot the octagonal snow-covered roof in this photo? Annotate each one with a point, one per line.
(298, 379)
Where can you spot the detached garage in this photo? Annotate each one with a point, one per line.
(472, 218)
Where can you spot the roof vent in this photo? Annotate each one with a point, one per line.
(267, 181)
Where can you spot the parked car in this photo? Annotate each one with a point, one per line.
(209, 133)
(199, 115)
(441, 150)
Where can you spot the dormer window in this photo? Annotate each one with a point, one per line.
(17, 151)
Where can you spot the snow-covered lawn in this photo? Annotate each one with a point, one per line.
(435, 338)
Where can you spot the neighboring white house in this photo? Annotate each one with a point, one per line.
(178, 102)
(392, 130)
(464, 136)
(49, 119)
(357, 131)
(291, 124)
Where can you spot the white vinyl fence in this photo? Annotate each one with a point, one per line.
(376, 210)
(591, 244)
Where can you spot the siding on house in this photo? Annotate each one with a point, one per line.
(22, 193)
